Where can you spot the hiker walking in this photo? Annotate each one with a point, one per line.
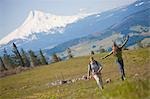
(117, 52)
(94, 69)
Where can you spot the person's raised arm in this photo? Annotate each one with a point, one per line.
(124, 43)
(108, 55)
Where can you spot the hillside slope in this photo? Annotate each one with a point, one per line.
(123, 27)
(135, 19)
(32, 84)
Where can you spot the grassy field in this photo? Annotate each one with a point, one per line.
(32, 84)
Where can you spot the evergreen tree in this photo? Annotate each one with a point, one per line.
(25, 58)
(18, 56)
(92, 53)
(42, 58)
(101, 49)
(33, 58)
(2, 65)
(69, 53)
(7, 60)
(55, 58)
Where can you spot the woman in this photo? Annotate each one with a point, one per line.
(117, 52)
(95, 68)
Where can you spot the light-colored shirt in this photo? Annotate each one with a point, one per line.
(94, 66)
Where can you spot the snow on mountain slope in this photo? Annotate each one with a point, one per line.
(139, 4)
(38, 22)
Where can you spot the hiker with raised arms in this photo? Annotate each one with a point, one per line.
(117, 52)
(94, 69)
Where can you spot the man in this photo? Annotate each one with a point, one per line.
(117, 52)
(95, 68)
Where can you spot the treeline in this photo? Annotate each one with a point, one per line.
(21, 58)
(26, 59)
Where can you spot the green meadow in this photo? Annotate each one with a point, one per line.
(32, 84)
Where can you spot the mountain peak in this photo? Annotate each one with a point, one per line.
(34, 13)
(41, 22)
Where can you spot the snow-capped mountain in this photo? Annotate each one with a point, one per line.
(38, 22)
(47, 31)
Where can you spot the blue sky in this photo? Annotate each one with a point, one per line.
(14, 12)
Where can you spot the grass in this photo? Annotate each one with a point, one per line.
(32, 84)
